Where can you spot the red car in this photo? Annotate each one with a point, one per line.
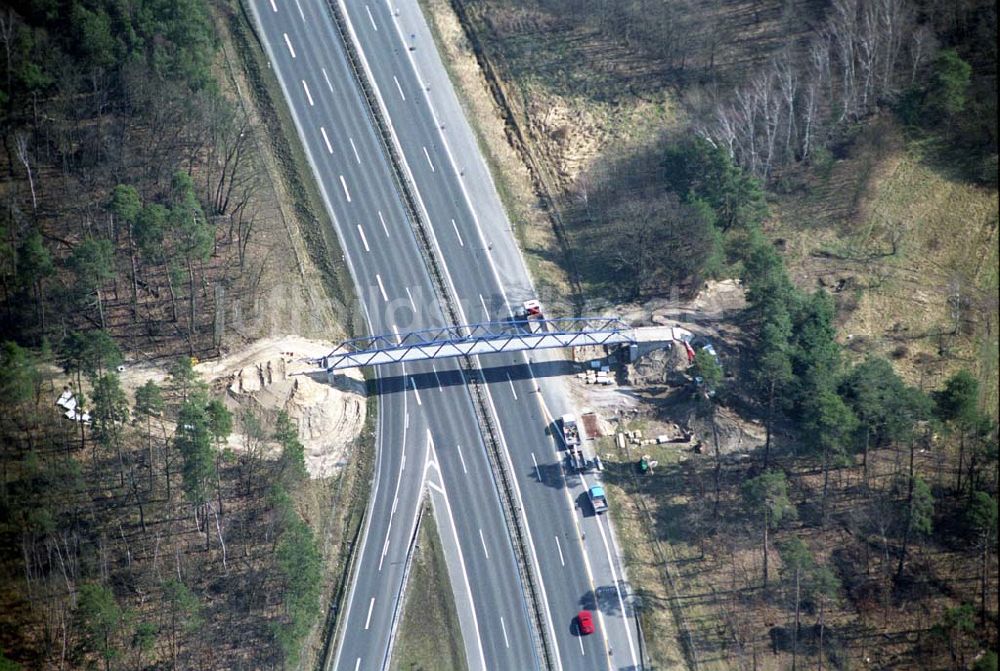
(586, 622)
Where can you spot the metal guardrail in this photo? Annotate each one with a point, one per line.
(404, 188)
(511, 511)
(401, 596)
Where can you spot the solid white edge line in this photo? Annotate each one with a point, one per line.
(301, 129)
(451, 283)
(465, 574)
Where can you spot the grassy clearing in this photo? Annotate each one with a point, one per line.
(429, 637)
(911, 245)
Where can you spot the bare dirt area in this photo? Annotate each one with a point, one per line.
(271, 375)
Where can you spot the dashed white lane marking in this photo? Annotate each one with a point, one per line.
(329, 147)
(288, 43)
(455, 226)
(385, 548)
(413, 383)
(384, 227)
(357, 664)
(329, 84)
(399, 88)
(512, 390)
(308, 95)
(371, 18)
(381, 287)
(482, 540)
(371, 605)
(438, 378)
(538, 473)
(301, 13)
(579, 639)
(410, 296)
(274, 6)
(429, 161)
(559, 547)
(356, 155)
(504, 628)
(485, 309)
(347, 193)
(462, 459)
(364, 240)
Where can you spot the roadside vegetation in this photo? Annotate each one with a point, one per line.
(154, 215)
(430, 636)
(839, 158)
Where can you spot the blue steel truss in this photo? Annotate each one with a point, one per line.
(476, 339)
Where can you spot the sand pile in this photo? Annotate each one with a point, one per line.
(269, 376)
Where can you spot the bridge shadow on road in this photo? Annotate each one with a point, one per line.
(448, 375)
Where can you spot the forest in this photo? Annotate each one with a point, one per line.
(139, 229)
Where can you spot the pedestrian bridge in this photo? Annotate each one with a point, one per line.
(481, 339)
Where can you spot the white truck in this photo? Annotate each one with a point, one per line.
(570, 431)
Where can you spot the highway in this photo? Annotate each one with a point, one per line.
(576, 553)
(428, 436)
(417, 423)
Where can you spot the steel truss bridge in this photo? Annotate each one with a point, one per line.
(475, 339)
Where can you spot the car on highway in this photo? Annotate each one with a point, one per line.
(585, 622)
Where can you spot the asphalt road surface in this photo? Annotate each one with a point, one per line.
(417, 417)
(427, 434)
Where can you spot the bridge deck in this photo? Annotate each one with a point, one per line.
(475, 339)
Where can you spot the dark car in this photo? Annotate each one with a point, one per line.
(585, 621)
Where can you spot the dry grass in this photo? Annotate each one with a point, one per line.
(900, 305)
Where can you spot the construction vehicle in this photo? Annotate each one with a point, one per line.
(597, 499)
(570, 431)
